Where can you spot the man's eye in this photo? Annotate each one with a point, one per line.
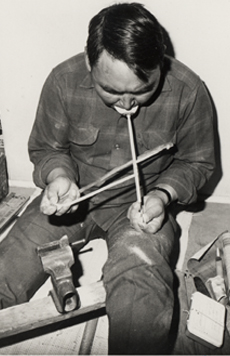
(112, 92)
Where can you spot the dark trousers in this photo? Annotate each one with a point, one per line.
(137, 275)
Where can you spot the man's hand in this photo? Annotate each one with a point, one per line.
(151, 218)
(58, 191)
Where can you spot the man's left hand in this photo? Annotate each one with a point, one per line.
(151, 217)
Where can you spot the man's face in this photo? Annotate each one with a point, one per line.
(117, 85)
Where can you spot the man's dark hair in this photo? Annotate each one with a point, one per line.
(129, 33)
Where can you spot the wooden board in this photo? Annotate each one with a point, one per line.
(42, 312)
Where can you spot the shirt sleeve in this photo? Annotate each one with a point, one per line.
(194, 156)
(48, 143)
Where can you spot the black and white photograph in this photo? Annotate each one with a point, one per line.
(114, 177)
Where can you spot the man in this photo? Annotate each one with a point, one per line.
(78, 136)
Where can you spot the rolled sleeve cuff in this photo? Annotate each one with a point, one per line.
(41, 172)
(183, 194)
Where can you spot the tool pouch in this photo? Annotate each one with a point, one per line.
(201, 269)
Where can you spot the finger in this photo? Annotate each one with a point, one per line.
(52, 194)
(66, 210)
(64, 204)
(74, 208)
(151, 228)
(154, 225)
(133, 210)
(45, 206)
(60, 210)
(74, 193)
(137, 221)
(152, 212)
(136, 226)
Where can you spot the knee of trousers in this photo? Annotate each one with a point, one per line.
(21, 271)
(144, 256)
(139, 294)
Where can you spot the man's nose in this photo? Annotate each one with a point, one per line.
(127, 102)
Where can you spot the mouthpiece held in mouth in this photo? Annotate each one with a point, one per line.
(126, 112)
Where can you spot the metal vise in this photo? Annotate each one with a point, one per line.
(57, 258)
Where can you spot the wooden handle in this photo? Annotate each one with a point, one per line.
(143, 157)
(95, 192)
(134, 159)
(146, 155)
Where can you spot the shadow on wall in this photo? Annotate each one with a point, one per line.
(209, 188)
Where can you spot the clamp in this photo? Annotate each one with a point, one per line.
(57, 258)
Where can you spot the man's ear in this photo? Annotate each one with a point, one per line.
(87, 60)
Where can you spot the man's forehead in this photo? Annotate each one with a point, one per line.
(111, 73)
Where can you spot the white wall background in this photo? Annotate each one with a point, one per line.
(36, 35)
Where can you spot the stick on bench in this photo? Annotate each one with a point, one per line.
(42, 312)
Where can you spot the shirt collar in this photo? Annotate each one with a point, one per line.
(87, 81)
(166, 85)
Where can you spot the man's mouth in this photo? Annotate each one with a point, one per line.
(123, 111)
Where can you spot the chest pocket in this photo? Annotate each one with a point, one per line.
(82, 142)
(151, 140)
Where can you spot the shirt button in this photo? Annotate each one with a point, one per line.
(117, 146)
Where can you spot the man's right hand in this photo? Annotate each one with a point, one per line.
(60, 190)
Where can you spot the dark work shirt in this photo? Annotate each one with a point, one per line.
(75, 130)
